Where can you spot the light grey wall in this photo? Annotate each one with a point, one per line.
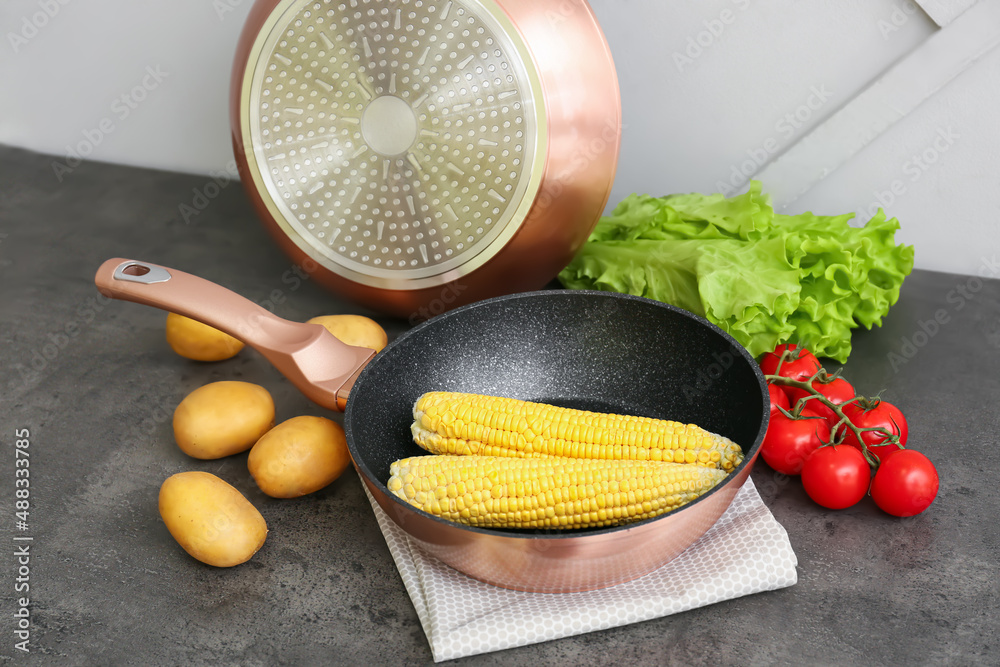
(710, 88)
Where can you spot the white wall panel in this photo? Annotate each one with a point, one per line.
(710, 91)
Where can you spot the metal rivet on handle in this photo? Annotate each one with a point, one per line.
(137, 272)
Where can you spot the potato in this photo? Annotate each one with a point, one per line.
(194, 340)
(354, 330)
(222, 418)
(299, 456)
(210, 519)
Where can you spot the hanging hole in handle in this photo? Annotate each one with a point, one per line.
(136, 272)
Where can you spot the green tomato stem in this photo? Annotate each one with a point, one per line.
(837, 409)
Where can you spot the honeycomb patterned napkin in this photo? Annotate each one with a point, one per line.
(746, 551)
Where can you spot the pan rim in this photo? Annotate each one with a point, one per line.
(750, 455)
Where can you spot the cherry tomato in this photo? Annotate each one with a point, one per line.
(836, 477)
(788, 442)
(837, 391)
(778, 398)
(800, 368)
(876, 413)
(905, 484)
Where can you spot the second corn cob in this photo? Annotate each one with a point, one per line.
(459, 423)
(546, 492)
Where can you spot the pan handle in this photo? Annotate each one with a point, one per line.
(319, 364)
(182, 293)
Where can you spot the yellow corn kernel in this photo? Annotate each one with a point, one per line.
(548, 492)
(473, 424)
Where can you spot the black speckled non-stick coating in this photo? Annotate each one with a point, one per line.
(591, 350)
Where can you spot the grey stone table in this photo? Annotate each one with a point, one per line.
(94, 384)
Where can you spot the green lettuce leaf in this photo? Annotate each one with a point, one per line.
(766, 278)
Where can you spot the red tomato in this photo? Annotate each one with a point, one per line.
(905, 484)
(836, 477)
(800, 368)
(876, 413)
(778, 398)
(788, 442)
(837, 391)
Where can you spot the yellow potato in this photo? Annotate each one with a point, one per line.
(299, 456)
(354, 330)
(210, 519)
(222, 418)
(194, 340)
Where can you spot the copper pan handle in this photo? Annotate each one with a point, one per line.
(320, 365)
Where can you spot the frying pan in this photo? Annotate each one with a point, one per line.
(590, 350)
(420, 155)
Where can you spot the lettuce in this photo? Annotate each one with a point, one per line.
(764, 277)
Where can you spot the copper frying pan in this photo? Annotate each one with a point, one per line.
(591, 350)
(414, 156)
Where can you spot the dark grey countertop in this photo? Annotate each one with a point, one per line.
(95, 384)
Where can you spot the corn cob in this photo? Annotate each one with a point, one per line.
(546, 492)
(457, 423)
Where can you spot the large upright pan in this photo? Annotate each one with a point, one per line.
(415, 155)
(591, 350)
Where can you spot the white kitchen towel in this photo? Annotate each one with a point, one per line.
(746, 551)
